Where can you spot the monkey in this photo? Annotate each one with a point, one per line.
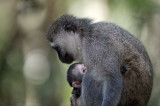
(75, 75)
(106, 50)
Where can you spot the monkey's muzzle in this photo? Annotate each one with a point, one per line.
(63, 55)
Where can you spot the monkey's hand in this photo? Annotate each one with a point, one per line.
(73, 100)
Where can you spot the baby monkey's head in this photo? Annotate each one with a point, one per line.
(75, 74)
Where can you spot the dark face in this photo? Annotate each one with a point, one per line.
(65, 36)
(63, 55)
(64, 39)
(67, 58)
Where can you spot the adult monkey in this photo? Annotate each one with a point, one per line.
(119, 69)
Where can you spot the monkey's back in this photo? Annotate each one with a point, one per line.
(137, 81)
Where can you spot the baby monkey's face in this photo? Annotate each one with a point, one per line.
(78, 72)
(80, 69)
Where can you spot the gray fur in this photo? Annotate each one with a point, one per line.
(105, 49)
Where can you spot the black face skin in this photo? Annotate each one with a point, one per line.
(66, 58)
(63, 56)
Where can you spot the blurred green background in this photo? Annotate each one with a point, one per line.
(30, 71)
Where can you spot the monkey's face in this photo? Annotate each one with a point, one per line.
(66, 45)
(80, 70)
(64, 38)
(77, 75)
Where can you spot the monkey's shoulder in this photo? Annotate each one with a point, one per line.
(102, 26)
(104, 30)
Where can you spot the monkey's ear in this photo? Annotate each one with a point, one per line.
(69, 27)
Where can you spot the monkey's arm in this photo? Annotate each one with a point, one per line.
(102, 58)
(108, 69)
(112, 86)
(109, 77)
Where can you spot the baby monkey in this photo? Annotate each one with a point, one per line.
(75, 75)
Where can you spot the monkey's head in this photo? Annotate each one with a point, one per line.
(65, 36)
(75, 74)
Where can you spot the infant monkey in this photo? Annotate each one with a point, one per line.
(75, 75)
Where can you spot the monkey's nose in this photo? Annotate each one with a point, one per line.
(54, 46)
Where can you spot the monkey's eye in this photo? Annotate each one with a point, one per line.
(70, 27)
